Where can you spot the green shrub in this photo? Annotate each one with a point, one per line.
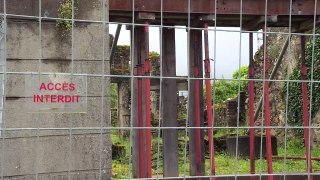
(65, 12)
(225, 89)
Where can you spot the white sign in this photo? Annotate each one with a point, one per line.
(58, 93)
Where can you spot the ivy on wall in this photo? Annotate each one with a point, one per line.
(295, 113)
(65, 12)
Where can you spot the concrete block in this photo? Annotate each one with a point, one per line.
(57, 66)
(23, 40)
(50, 148)
(15, 86)
(18, 117)
(89, 10)
(52, 153)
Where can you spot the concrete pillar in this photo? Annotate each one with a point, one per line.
(195, 55)
(47, 152)
(169, 105)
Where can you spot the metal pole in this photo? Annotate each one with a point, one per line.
(251, 107)
(209, 98)
(267, 113)
(115, 41)
(305, 104)
(140, 122)
(147, 67)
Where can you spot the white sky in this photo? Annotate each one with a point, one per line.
(227, 50)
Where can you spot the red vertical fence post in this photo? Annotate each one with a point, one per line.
(147, 67)
(140, 122)
(267, 111)
(138, 138)
(305, 105)
(209, 98)
(251, 107)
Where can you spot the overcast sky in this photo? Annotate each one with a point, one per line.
(227, 50)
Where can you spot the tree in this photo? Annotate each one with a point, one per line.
(226, 89)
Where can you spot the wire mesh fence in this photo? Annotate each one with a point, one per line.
(203, 89)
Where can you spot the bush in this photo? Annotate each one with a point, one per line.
(229, 89)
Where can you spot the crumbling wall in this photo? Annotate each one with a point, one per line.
(277, 98)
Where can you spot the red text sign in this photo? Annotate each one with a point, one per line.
(56, 93)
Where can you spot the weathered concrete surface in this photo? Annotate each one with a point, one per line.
(90, 174)
(21, 154)
(24, 41)
(22, 149)
(16, 85)
(18, 116)
(87, 10)
(60, 66)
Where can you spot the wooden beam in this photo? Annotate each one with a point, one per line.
(257, 23)
(227, 7)
(138, 58)
(195, 55)
(169, 105)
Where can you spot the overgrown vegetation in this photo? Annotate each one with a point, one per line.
(295, 113)
(225, 163)
(65, 12)
(225, 89)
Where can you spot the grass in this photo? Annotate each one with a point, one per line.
(225, 164)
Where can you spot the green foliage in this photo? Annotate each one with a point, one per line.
(243, 74)
(65, 12)
(225, 90)
(154, 55)
(114, 101)
(225, 163)
(114, 97)
(295, 113)
(229, 89)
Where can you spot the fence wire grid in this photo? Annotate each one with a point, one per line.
(168, 90)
